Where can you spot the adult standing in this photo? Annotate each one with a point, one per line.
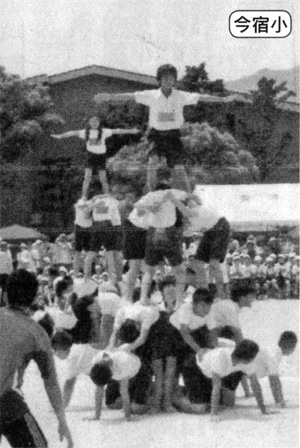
(23, 340)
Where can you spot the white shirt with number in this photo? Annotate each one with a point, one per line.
(105, 208)
(166, 113)
(93, 144)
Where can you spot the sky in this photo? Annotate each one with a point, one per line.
(39, 36)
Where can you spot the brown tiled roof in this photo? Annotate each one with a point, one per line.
(93, 70)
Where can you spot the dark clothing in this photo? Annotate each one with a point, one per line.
(163, 339)
(106, 235)
(96, 161)
(82, 238)
(167, 144)
(24, 433)
(133, 241)
(214, 243)
(164, 243)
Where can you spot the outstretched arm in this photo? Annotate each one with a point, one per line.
(126, 131)
(66, 135)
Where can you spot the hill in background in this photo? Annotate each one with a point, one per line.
(248, 83)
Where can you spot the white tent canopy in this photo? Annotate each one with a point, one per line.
(254, 207)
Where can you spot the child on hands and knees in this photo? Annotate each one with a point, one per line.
(101, 366)
(225, 315)
(225, 367)
(266, 364)
(120, 366)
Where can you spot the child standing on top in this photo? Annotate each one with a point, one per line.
(95, 136)
(165, 119)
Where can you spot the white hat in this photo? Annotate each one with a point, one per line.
(269, 260)
(292, 255)
(62, 269)
(273, 256)
(257, 258)
(246, 255)
(281, 256)
(236, 256)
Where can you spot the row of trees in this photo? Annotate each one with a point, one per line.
(213, 155)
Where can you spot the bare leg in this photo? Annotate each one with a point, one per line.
(218, 275)
(132, 275)
(201, 276)
(169, 383)
(103, 179)
(182, 181)
(157, 367)
(111, 266)
(151, 173)
(88, 173)
(88, 264)
(179, 273)
(76, 262)
(146, 283)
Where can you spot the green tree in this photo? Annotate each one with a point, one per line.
(212, 157)
(25, 112)
(59, 188)
(259, 125)
(196, 79)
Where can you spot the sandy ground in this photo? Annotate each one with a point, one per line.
(243, 426)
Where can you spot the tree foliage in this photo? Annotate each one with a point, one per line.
(25, 112)
(212, 157)
(196, 79)
(259, 126)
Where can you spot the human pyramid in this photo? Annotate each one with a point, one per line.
(184, 352)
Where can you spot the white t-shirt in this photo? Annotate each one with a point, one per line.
(109, 302)
(145, 315)
(105, 208)
(265, 363)
(185, 316)
(166, 113)
(125, 365)
(80, 360)
(205, 218)
(93, 145)
(164, 217)
(83, 217)
(218, 361)
(225, 312)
